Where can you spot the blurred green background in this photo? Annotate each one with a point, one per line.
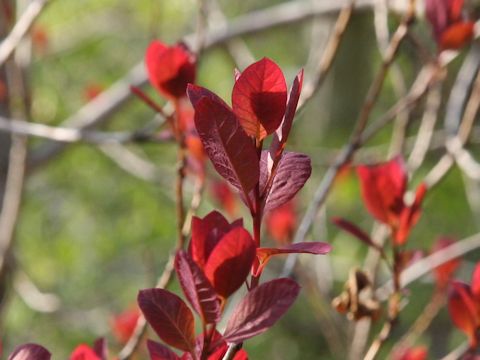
(93, 234)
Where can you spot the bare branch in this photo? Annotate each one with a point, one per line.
(21, 28)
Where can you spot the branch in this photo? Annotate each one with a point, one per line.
(21, 28)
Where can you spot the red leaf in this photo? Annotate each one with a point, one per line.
(291, 174)
(170, 69)
(410, 215)
(230, 261)
(457, 35)
(30, 352)
(224, 195)
(443, 273)
(463, 311)
(123, 325)
(206, 233)
(196, 93)
(281, 223)
(314, 247)
(231, 151)
(354, 230)
(281, 135)
(259, 98)
(260, 309)
(383, 186)
(197, 288)
(476, 283)
(168, 315)
(437, 13)
(100, 348)
(84, 352)
(158, 351)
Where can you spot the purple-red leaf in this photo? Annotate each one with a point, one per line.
(197, 288)
(101, 349)
(281, 134)
(158, 351)
(291, 173)
(229, 263)
(30, 352)
(168, 315)
(229, 148)
(259, 98)
(260, 309)
(206, 233)
(354, 230)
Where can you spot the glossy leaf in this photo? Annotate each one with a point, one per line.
(170, 68)
(220, 352)
(158, 351)
(383, 187)
(354, 230)
(195, 93)
(206, 233)
(197, 288)
(30, 352)
(463, 311)
(229, 148)
(291, 174)
(259, 98)
(229, 263)
(168, 315)
(260, 309)
(281, 134)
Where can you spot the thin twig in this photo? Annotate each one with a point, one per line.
(329, 54)
(21, 28)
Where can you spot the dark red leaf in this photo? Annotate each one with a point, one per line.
(354, 230)
(314, 247)
(158, 351)
(168, 315)
(101, 349)
(170, 68)
(84, 352)
(196, 93)
(197, 288)
(463, 310)
(231, 151)
(259, 98)
(260, 309)
(206, 233)
(292, 172)
(229, 263)
(281, 134)
(437, 13)
(383, 187)
(30, 352)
